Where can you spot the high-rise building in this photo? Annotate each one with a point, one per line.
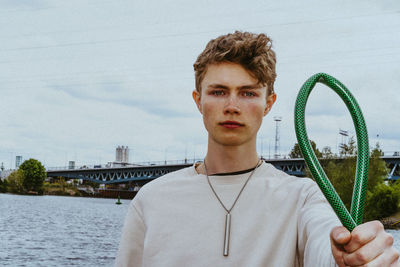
(125, 154)
(18, 161)
(118, 154)
(122, 154)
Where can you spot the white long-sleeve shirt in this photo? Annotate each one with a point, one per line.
(279, 220)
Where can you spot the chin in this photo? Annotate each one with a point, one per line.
(230, 141)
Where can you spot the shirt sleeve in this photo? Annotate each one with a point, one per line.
(316, 220)
(130, 252)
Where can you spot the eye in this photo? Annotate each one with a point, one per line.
(218, 92)
(249, 93)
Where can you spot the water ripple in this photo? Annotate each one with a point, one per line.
(59, 231)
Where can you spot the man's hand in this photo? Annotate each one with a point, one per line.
(367, 245)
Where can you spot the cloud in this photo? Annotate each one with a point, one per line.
(114, 93)
(111, 74)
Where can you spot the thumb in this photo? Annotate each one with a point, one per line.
(340, 235)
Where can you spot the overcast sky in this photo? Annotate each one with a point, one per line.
(78, 78)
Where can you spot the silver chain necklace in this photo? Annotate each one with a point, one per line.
(228, 211)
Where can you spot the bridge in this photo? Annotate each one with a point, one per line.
(140, 174)
(393, 163)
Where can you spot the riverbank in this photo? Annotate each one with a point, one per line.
(62, 188)
(392, 222)
(56, 189)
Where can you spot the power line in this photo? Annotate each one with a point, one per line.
(72, 44)
(67, 78)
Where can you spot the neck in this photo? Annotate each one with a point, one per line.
(221, 158)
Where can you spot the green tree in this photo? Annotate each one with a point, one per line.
(296, 152)
(381, 203)
(3, 185)
(381, 200)
(16, 182)
(341, 174)
(377, 168)
(396, 188)
(34, 175)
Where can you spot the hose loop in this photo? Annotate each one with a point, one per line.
(354, 218)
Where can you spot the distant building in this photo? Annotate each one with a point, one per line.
(118, 154)
(71, 165)
(119, 164)
(18, 161)
(122, 154)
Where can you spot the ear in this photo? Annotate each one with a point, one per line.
(197, 99)
(270, 101)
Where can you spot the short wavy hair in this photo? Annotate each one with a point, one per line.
(252, 51)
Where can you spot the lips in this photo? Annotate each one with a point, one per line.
(231, 124)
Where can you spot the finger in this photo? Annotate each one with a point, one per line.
(387, 259)
(337, 253)
(396, 255)
(370, 251)
(340, 236)
(396, 263)
(363, 234)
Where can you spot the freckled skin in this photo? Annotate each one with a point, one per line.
(230, 93)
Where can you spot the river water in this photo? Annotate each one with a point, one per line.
(63, 231)
(59, 231)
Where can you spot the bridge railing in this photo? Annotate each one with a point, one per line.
(122, 165)
(170, 162)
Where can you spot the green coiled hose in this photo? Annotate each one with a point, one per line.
(354, 218)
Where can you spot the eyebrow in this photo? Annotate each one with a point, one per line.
(244, 87)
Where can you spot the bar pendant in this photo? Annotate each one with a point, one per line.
(227, 233)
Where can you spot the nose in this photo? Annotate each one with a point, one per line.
(232, 105)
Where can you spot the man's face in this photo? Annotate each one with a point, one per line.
(233, 104)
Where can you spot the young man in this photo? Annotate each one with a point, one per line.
(234, 209)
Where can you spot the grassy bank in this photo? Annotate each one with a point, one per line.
(61, 189)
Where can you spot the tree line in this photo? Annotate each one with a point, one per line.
(27, 179)
(382, 197)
